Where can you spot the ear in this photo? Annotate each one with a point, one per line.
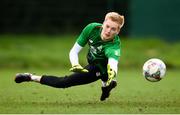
(118, 31)
(122, 22)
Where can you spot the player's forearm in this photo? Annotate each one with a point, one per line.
(113, 64)
(73, 54)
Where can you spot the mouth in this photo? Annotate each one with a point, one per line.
(106, 34)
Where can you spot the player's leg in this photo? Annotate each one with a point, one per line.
(68, 81)
(62, 82)
(25, 77)
(107, 89)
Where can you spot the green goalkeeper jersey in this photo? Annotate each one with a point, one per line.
(99, 51)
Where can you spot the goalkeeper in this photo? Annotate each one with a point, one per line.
(103, 55)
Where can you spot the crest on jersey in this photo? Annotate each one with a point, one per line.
(99, 48)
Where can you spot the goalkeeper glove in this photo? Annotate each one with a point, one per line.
(111, 75)
(78, 68)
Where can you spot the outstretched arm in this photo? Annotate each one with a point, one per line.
(73, 56)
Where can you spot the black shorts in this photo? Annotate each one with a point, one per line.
(74, 78)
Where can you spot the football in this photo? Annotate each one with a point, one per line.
(154, 69)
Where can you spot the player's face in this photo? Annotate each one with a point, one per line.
(109, 30)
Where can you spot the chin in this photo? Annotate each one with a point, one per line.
(107, 39)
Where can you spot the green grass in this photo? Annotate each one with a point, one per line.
(133, 95)
(49, 55)
(24, 51)
(37, 51)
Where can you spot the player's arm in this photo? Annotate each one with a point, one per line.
(80, 43)
(73, 56)
(113, 55)
(112, 68)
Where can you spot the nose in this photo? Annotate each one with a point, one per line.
(108, 30)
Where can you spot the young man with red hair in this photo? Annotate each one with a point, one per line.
(103, 55)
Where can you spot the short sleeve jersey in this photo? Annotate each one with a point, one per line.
(99, 51)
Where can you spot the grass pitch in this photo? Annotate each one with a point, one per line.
(132, 95)
(49, 55)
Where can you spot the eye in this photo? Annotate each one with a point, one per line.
(107, 26)
(113, 29)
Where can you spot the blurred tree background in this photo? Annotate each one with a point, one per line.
(152, 29)
(151, 18)
(54, 16)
